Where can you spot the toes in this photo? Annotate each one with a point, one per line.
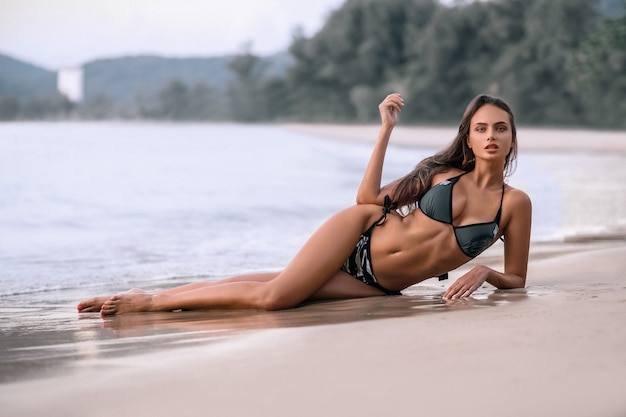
(92, 304)
(88, 306)
(109, 307)
(105, 311)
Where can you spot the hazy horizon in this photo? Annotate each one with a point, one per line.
(72, 32)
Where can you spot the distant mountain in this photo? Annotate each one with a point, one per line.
(123, 79)
(20, 79)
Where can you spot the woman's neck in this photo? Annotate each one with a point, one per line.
(487, 175)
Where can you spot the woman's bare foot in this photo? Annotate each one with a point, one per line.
(127, 303)
(91, 305)
(94, 305)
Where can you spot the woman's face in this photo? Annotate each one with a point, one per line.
(490, 135)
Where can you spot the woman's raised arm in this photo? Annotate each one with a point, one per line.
(370, 191)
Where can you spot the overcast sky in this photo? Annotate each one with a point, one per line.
(58, 33)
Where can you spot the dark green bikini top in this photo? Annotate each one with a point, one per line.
(472, 239)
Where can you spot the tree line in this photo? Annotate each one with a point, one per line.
(556, 62)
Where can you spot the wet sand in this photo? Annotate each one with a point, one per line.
(553, 348)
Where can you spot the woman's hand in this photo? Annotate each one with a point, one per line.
(467, 283)
(389, 109)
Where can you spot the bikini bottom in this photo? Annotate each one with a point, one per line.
(359, 264)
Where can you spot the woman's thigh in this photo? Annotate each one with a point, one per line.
(320, 259)
(315, 272)
(344, 286)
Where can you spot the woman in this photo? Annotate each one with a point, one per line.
(458, 205)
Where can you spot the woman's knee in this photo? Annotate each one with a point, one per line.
(272, 301)
(272, 297)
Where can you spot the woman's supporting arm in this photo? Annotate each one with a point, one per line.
(516, 251)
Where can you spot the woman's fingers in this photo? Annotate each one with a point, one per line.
(458, 291)
(394, 101)
(390, 107)
(466, 284)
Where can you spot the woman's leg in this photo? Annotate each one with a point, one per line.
(341, 286)
(258, 277)
(318, 262)
(95, 304)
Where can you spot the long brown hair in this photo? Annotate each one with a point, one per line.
(457, 155)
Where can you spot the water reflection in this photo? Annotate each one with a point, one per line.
(65, 340)
(414, 302)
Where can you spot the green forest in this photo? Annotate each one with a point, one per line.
(556, 62)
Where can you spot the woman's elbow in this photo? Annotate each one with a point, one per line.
(513, 283)
(363, 198)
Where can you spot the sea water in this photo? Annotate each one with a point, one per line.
(105, 206)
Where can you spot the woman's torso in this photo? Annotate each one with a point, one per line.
(410, 249)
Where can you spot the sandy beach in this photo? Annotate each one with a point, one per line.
(555, 348)
(530, 138)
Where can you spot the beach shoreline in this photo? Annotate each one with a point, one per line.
(530, 138)
(555, 347)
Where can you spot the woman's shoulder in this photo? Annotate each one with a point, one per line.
(516, 198)
(517, 212)
(446, 174)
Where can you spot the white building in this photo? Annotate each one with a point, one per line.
(70, 83)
